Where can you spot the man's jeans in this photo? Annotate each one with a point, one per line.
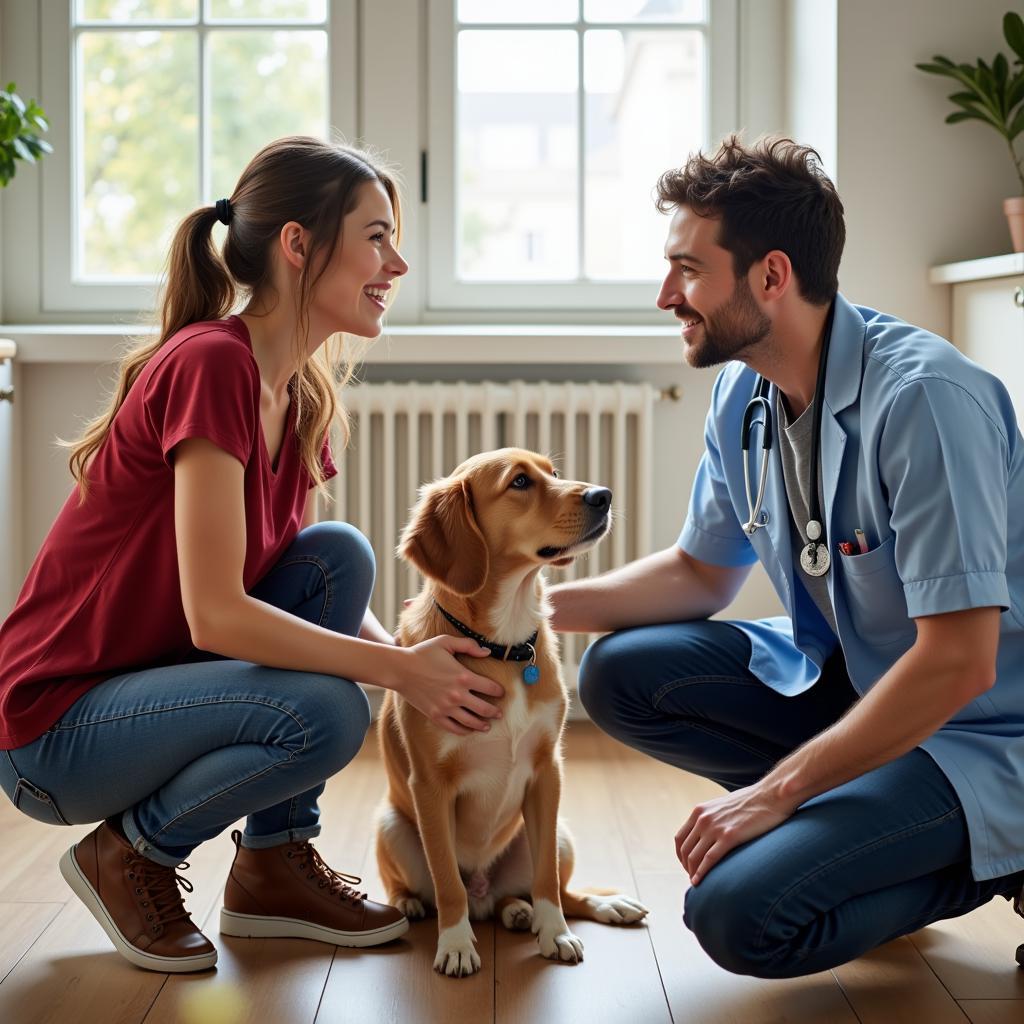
(876, 858)
(183, 751)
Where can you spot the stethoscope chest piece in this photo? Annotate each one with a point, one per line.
(814, 559)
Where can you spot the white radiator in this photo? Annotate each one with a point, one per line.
(406, 434)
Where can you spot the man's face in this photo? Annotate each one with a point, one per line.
(720, 317)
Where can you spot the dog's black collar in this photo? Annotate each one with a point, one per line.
(506, 652)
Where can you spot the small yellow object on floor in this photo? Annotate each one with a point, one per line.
(214, 1003)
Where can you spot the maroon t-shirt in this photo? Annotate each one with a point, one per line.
(103, 596)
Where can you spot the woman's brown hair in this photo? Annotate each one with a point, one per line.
(297, 178)
(772, 195)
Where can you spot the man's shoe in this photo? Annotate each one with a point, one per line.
(287, 891)
(137, 903)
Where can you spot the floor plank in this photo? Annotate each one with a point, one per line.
(994, 1011)
(973, 956)
(894, 985)
(23, 924)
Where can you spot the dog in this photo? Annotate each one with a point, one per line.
(470, 823)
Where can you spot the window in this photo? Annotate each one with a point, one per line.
(550, 121)
(165, 102)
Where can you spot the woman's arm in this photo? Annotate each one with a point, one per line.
(209, 521)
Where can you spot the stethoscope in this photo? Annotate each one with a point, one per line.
(814, 556)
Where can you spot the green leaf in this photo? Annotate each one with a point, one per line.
(1016, 126)
(1013, 30)
(23, 151)
(966, 115)
(1001, 69)
(1015, 91)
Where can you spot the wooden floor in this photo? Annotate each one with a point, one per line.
(56, 965)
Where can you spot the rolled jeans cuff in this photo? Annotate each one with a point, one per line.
(142, 845)
(289, 835)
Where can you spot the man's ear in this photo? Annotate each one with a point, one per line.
(443, 540)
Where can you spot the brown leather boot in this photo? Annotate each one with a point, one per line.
(137, 903)
(287, 891)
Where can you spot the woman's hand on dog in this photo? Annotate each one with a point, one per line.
(444, 690)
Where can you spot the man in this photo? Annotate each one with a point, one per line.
(872, 740)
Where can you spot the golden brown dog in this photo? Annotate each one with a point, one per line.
(470, 823)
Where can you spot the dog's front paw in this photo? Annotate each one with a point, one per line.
(617, 909)
(553, 935)
(561, 945)
(456, 954)
(411, 907)
(517, 916)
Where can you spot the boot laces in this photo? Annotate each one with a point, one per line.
(159, 884)
(335, 880)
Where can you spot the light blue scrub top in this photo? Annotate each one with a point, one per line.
(920, 449)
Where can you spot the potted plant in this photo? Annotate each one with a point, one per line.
(994, 93)
(20, 125)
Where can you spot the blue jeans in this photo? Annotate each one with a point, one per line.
(181, 752)
(873, 859)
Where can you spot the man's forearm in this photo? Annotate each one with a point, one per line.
(664, 587)
(920, 693)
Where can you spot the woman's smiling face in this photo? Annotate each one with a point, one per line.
(353, 292)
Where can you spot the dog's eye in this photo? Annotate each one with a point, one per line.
(521, 482)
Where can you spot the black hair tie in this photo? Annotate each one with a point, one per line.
(224, 211)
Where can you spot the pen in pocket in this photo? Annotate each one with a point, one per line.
(862, 541)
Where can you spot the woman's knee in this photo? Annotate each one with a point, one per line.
(349, 550)
(336, 715)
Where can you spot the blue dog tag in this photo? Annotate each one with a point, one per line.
(531, 674)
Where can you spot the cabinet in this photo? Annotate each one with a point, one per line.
(988, 316)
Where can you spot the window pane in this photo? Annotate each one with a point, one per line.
(139, 132)
(307, 10)
(136, 10)
(516, 129)
(513, 11)
(645, 113)
(644, 10)
(262, 85)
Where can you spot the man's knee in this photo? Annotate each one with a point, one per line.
(725, 912)
(602, 678)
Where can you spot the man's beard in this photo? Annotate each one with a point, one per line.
(736, 325)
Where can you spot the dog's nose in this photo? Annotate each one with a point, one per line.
(598, 497)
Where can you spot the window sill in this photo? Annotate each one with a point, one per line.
(461, 343)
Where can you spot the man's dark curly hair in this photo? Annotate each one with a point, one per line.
(772, 195)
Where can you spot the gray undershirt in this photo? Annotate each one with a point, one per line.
(795, 449)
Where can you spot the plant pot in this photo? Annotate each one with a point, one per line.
(1014, 210)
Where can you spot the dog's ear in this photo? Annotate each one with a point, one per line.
(443, 540)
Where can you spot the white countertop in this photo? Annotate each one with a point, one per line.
(1008, 265)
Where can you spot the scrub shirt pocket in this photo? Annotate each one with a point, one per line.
(874, 595)
(26, 796)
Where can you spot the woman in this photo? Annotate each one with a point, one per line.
(182, 652)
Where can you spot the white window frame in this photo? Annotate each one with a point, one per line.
(60, 292)
(446, 294)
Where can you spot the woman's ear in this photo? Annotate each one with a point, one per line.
(443, 540)
(293, 239)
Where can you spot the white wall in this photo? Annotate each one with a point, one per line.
(917, 192)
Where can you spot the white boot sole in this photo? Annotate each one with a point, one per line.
(258, 926)
(81, 887)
